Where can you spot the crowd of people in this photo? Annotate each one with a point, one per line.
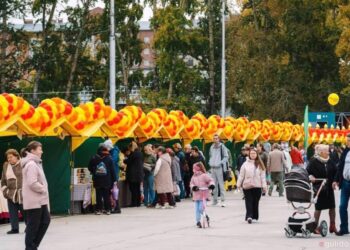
(160, 177)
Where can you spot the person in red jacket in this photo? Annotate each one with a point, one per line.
(297, 158)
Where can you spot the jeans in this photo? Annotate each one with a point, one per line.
(135, 194)
(103, 194)
(276, 177)
(148, 191)
(38, 221)
(198, 206)
(182, 189)
(14, 208)
(343, 207)
(187, 181)
(252, 198)
(217, 175)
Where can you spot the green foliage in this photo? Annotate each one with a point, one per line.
(281, 57)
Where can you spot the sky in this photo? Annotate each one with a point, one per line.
(147, 14)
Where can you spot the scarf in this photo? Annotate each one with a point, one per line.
(321, 159)
(9, 172)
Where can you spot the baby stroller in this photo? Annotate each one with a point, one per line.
(300, 190)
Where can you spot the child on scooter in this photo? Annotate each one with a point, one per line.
(200, 180)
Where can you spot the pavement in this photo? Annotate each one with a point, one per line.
(144, 228)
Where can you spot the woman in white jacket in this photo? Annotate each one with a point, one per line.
(252, 179)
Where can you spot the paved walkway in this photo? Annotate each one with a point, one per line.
(142, 228)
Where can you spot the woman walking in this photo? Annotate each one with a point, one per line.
(11, 186)
(252, 178)
(35, 195)
(321, 167)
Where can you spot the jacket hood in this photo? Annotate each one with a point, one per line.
(30, 157)
(166, 157)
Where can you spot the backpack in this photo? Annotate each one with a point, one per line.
(101, 169)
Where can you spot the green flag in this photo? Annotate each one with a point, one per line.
(306, 127)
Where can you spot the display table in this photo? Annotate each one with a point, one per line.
(77, 197)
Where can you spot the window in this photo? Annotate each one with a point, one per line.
(146, 40)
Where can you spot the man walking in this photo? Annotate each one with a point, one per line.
(218, 157)
(275, 166)
(342, 179)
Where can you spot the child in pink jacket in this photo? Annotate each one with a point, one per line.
(200, 179)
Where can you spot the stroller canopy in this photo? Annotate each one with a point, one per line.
(297, 185)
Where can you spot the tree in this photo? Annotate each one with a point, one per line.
(10, 43)
(82, 23)
(43, 7)
(281, 57)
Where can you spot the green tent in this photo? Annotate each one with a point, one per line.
(56, 163)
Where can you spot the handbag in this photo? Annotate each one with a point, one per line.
(115, 192)
(225, 173)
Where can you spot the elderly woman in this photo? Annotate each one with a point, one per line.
(11, 185)
(321, 167)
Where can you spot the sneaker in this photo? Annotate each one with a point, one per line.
(158, 206)
(249, 220)
(341, 233)
(98, 213)
(214, 204)
(223, 204)
(13, 231)
(168, 206)
(199, 225)
(108, 213)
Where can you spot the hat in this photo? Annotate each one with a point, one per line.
(108, 144)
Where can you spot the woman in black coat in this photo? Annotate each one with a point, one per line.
(321, 167)
(134, 173)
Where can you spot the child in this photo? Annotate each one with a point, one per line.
(200, 179)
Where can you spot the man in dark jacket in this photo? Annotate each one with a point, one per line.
(333, 154)
(181, 155)
(103, 176)
(241, 159)
(134, 173)
(342, 179)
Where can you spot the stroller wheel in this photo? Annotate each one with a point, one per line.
(306, 233)
(289, 233)
(323, 228)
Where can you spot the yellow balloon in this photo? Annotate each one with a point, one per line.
(333, 99)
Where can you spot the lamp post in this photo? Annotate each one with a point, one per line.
(223, 64)
(112, 57)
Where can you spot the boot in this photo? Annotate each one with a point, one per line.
(13, 231)
(332, 228)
